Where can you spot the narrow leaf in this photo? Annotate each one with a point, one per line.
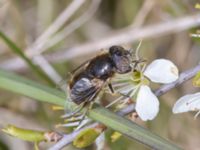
(39, 92)
(21, 54)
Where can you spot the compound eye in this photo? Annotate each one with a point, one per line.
(116, 50)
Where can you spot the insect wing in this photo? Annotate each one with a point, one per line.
(80, 67)
(83, 89)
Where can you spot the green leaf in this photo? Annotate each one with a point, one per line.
(21, 54)
(130, 129)
(25, 134)
(86, 138)
(40, 92)
(31, 89)
(196, 80)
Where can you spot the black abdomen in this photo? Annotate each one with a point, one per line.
(101, 67)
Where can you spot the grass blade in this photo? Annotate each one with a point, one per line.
(17, 84)
(21, 54)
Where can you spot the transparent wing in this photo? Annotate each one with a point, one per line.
(83, 91)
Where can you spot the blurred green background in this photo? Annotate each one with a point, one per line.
(24, 21)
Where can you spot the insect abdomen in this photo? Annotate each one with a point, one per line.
(101, 67)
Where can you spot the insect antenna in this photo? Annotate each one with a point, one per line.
(137, 50)
(135, 53)
(136, 57)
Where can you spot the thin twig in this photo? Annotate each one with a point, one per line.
(125, 36)
(48, 69)
(184, 76)
(52, 29)
(67, 139)
(142, 14)
(69, 29)
(55, 26)
(38, 46)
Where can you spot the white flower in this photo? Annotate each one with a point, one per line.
(159, 71)
(147, 104)
(190, 102)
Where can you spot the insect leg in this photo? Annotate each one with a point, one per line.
(89, 104)
(115, 101)
(111, 88)
(113, 92)
(137, 62)
(124, 95)
(84, 113)
(68, 115)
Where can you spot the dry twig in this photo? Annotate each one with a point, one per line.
(125, 36)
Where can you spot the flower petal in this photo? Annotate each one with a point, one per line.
(147, 104)
(161, 71)
(187, 103)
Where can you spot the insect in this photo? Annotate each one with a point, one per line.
(91, 77)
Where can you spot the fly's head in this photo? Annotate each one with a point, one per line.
(122, 59)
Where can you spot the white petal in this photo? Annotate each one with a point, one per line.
(187, 103)
(147, 104)
(161, 71)
(100, 141)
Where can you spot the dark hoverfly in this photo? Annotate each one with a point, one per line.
(94, 75)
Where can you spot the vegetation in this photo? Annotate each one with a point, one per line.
(42, 41)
